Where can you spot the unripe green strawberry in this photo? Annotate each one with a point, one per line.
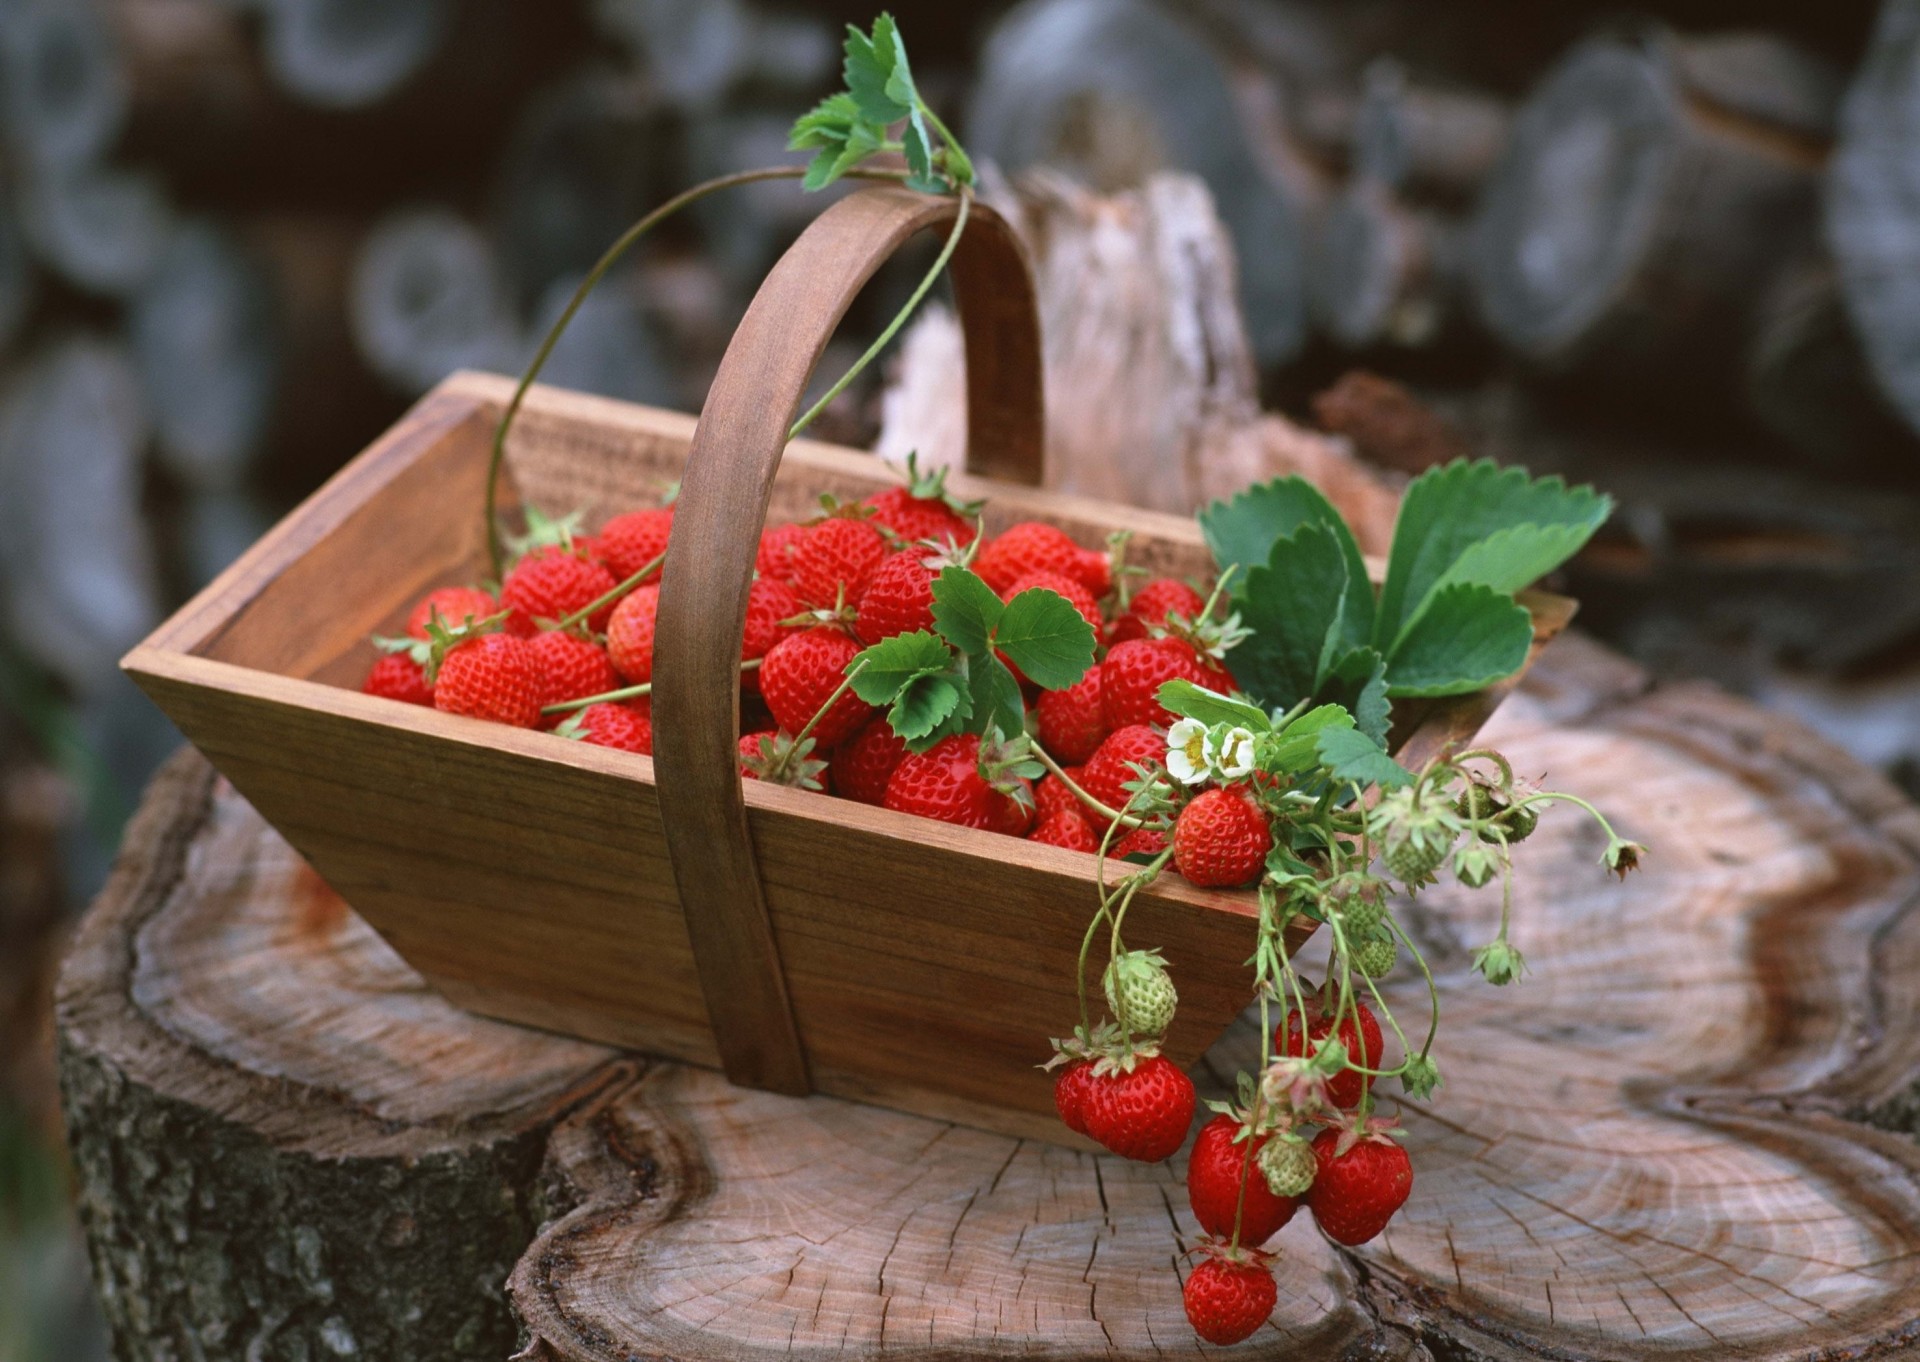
(1479, 801)
(1414, 832)
(1288, 1165)
(1520, 824)
(1374, 958)
(1140, 994)
(1362, 915)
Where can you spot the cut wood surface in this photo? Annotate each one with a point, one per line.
(1687, 1134)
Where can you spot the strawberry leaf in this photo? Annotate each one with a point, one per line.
(1359, 681)
(995, 697)
(925, 703)
(1292, 604)
(1242, 533)
(1297, 746)
(1210, 707)
(965, 610)
(1467, 636)
(891, 664)
(1046, 637)
(876, 72)
(1352, 758)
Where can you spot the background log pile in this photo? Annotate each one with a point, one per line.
(1677, 252)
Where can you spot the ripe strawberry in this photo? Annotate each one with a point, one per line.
(957, 781)
(1133, 672)
(398, 677)
(456, 605)
(1032, 546)
(1140, 842)
(1222, 839)
(775, 558)
(624, 727)
(1051, 796)
(1072, 722)
(1070, 1094)
(1151, 605)
(630, 634)
(836, 559)
(1216, 1169)
(572, 667)
(1110, 767)
(1364, 1046)
(1355, 1193)
(1228, 1299)
(798, 676)
(491, 676)
(1143, 1113)
(770, 603)
(630, 541)
(552, 582)
(1065, 828)
(776, 757)
(898, 598)
(864, 763)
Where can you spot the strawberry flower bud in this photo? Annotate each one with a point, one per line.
(1500, 962)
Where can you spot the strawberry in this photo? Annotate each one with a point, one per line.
(398, 677)
(1222, 839)
(1363, 1042)
(573, 667)
(1032, 546)
(1133, 672)
(1070, 1094)
(1140, 1113)
(770, 604)
(1072, 722)
(1140, 993)
(626, 728)
(924, 509)
(491, 676)
(776, 757)
(1229, 1297)
(864, 763)
(898, 598)
(1150, 607)
(551, 583)
(456, 605)
(630, 634)
(1141, 842)
(630, 541)
(1110, 767)
(1216, 1170)
(1065, 828)
(1358, 1189)
(798, 676)
(1051, 796)
(835, 559)
(775, 558)
(960, 781)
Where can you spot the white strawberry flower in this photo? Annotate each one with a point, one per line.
(1189, 751)
(1235, 754)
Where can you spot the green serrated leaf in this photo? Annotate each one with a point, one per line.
(1359, 681)
(1210, 707)
(1292, 604)
(892, 663)
(1242, 532)
(1467, 637)
(1449, 512)
(1296, 747)
(1352, 758)
(919, 154)
(924, 703)
(995, 697)
(828, 122)
(965, 610)
(1046, 637)
(870, 71)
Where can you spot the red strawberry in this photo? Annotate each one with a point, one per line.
(1032, 546)
(1215, 1171)
(1141, 842)
(398, 677)
(1070, 1094)
(573, 667)
(1221, 839)
(626, 728)
(1364, 1042)
(924, 510)
(1133, 672)
(1066, 828)
(1142, 1114)
(551, 583)
(1228, 1299)
(1111, 765)
(775, 558)
(864, 763)
(630, 634)
(456, 605)
(954, 781)
(750, 750)
(898, 598)
(770, 603)
(798, 676)
(491, 676)
(836, 558)
(629, 542)
(1355, 1194)
(1072, 722)
(1051, 796)
(1151, 605)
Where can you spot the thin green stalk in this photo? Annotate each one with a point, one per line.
(1117, 819)
(599, 603)
(779, 768)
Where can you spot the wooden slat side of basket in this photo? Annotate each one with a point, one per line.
(526, 877)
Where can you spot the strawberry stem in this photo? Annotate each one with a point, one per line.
(598, 603)
(1115, 819)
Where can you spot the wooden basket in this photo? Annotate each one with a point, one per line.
(798, 941)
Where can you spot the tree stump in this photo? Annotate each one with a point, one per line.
(1686, 1135)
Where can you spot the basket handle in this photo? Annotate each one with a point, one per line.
(710, 560)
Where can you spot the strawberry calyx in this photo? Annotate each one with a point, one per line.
(779, 760)
(415, 649)
(1106, 1047)
(1355, 1129)
(442, 638)
(931, 485)
(1009, 767)
(546, 531)
(1214, 1248)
